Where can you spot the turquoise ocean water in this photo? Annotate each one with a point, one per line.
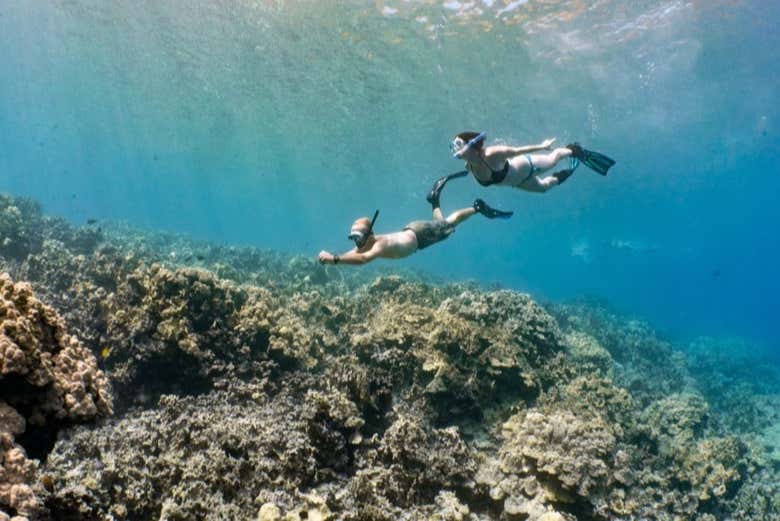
(275, 124)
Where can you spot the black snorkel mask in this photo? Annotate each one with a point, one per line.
(360, 238)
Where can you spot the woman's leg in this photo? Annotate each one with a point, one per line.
(539, 185)
(544, 162)
(437, 215)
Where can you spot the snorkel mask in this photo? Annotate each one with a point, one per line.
(359, 237)
(458, 148)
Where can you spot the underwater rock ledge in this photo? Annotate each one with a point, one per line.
(249, 385)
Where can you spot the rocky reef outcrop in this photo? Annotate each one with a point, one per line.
(251, 386)
(48, 380)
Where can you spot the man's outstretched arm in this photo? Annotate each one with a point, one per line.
(351, 257)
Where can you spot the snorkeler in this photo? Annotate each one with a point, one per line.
(416, 235)
(518, 167)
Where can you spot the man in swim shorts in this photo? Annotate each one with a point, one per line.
(416, 235)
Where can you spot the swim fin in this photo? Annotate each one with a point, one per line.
(563, 175)
(596, 161)
(491, 213)
(438, 186)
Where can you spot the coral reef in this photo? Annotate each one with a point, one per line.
(633, 347)
(225, 456)
(24, 229)
(738, 380)
(250, 385)
(468, 354)
(47, 379)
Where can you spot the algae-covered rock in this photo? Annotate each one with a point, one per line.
(471, 353)
(674, 422)
(213, 456)
(592, 396)
(24, 229)
(20, 227)
(712, 466)
(275, 446)
(738, 379)
(449, 508)
(269, 512)
(645, 364)
(589, 354)
(576, 454)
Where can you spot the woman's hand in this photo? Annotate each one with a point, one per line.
(547, 143)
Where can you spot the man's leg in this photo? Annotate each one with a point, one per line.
(480, 206)
(458, 216)
(438, 186)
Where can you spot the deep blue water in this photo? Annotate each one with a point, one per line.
(276, 124)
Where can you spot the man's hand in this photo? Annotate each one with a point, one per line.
(325, 257)
(547, 143)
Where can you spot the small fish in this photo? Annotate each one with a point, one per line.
(91, 221)
(105, 352)
(200, 257)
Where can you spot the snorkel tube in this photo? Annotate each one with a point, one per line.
(360, 238)
(373, 220)
(457, 151)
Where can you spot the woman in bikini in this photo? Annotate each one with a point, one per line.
(520, 167)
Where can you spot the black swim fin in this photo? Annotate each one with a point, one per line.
(596, 161)
(491, 213)
(438, 186)
(563, 175)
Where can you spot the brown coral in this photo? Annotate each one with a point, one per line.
(47, 377)
(36, 349)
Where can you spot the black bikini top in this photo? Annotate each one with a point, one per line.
(496, 176)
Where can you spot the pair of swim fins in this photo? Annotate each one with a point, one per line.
(596, 161)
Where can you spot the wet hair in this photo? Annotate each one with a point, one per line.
(468, 136)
